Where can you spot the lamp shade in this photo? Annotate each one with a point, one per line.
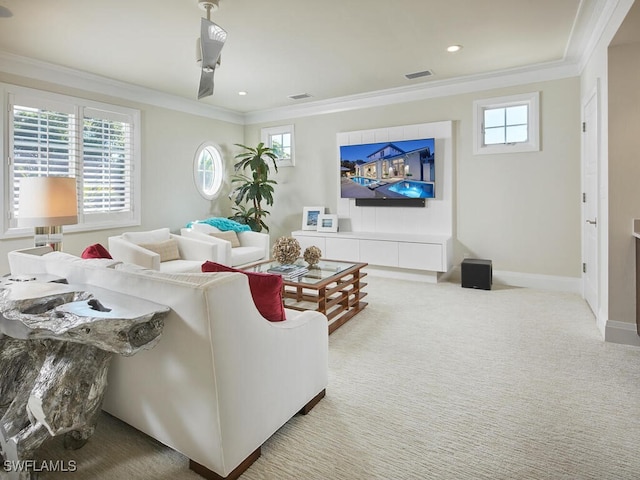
(47, 201)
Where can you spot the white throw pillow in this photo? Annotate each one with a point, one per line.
(168, 250)
(229, 236)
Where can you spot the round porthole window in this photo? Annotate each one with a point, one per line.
(208, 170)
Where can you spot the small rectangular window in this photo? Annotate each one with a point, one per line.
(280, 139)
(506, 124)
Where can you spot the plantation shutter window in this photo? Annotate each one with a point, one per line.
(98, 144)
(106, 162)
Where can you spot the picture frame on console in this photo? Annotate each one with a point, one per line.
(327, 223)
(310, 217)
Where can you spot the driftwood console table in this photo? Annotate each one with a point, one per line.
(56, 343)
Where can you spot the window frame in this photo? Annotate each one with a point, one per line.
(531, 100)
(218, 170)
(88, 221)
(267, 135)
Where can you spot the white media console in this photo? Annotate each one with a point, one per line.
(425, 253)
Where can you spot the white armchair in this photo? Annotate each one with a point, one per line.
(161, 250)
(251, 246)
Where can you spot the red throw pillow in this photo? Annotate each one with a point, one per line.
(266, 290)
(96, 251)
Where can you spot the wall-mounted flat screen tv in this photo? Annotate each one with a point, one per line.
(379, 173)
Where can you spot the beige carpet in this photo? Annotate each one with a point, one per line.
(439, 382)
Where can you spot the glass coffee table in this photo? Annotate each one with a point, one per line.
(330, 287)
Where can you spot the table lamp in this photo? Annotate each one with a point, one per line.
(47, 203)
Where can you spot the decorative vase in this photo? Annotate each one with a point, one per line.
(312, 255)
(286, 250)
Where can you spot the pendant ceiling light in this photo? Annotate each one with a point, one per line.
(209, 46)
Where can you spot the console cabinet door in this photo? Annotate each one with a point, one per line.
(308, 240)
(342, 249)
(421, 256)
(379, 252)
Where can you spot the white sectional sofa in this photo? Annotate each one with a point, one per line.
(222, 379)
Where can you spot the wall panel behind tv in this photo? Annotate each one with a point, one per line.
(436, 217)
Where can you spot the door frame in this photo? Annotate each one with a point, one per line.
(594, 94)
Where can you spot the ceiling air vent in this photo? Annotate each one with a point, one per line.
(425, 73)
(300, 96)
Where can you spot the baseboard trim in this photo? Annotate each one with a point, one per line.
(514, 279)
(543, 282)
(424, 276)
(624, 333)
(530, 280)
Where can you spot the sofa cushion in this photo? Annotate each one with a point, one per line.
(229, 236)
(94, 262)
(266, 290)
(96, 251)
(244, 255)
(181, 266)
(151, 236)
(168, 249)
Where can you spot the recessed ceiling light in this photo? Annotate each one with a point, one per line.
(242, 93)
(454, 48)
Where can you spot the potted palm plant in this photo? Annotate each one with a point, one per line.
(250, 192)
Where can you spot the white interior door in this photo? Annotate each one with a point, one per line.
(590, 155)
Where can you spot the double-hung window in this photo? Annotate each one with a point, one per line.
(56, 135)
(506, 124)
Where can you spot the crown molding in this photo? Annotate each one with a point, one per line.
(589, 11)
(430, 89)
(38, 70)
(606, 18)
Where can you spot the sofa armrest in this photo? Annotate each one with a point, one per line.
(27, 260)
(195, 249)
(255, 239)
(223, 247)
(129, 252)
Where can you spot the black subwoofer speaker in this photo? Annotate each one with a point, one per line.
(477, 273)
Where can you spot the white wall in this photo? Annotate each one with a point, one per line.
(169, 143)
(624, 178)
(520, 210)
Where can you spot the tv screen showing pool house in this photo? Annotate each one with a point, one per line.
(403, 169)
